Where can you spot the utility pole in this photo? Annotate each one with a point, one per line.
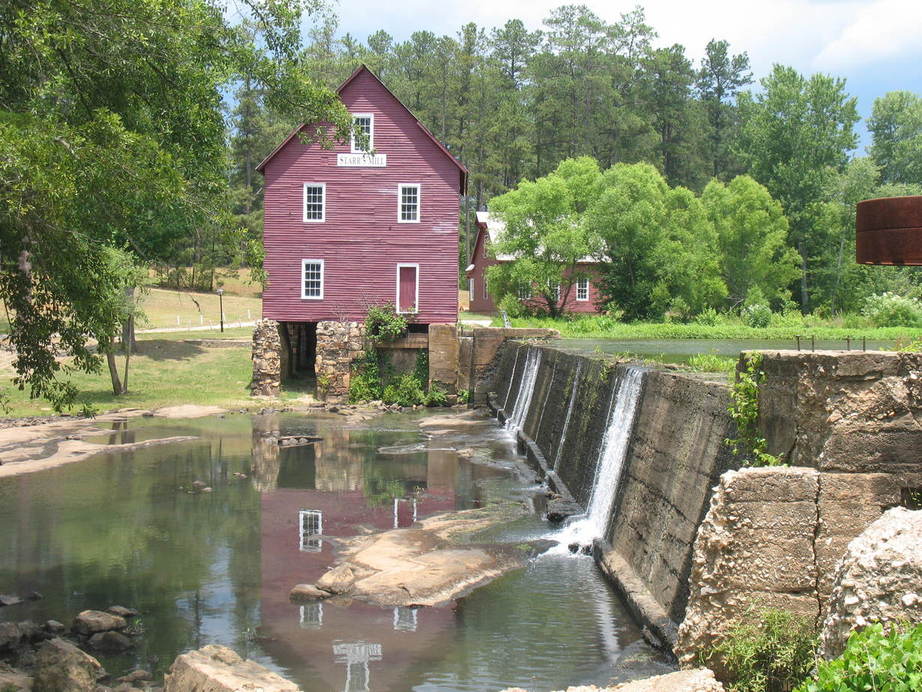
(220, 293)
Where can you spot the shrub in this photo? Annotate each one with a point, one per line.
(404, 391)
(708, 317)
(769, 651)
(757, 315)
(436, 396)
(744, 410)
(512, 306)
(892, 310)
(873, 660)
(365, 381)
(711, 362)
(382, 323)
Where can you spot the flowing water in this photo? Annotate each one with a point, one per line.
(566, 420)
(585, 528)
(522, 404)
(217, 567)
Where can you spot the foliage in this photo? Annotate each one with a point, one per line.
(112, 134)
(383, 323)
(464, 396)
(891, 310)
(896, 128)
(657, 242)
(752, 236)
(744, 410)
(404, 390)
(796, 133)
(436, 396)
(544, 233)
(873, 660)
(365, 382)
(767, 651)
(708, 317)
(755, 311)
(711, 362)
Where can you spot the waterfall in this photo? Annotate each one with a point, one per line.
(566, 419)
(515, 364)
(591, 525)
(526, 390)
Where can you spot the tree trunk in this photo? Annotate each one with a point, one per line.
(113, 371)
(129, 328)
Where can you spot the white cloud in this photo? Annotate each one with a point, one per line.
(880, 31)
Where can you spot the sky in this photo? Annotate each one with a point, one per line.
(876, 45)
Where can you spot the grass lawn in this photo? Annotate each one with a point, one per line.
(165, 372)
(601, 327)
(169, 308)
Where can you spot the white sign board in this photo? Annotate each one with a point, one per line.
(369, 160)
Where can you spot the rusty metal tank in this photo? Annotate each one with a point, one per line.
(889, 231)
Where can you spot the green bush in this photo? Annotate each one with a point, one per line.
(744, 410)
(757, 315)
(404, 391)
(873, 660)
(892, 310)
(382, 323)
(436, 396)
(711, 362)
(365, 380)
(769, 651)
(708, 317)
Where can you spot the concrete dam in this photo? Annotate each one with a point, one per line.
(639, 457)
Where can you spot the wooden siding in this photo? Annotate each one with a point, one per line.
(360, 240)
(485, 305)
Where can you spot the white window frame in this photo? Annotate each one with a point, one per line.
(397, 293)
(323, 203)
(524, 292)
(419, 202)
(471, 285)
(582, 285)
(304, 263)
(371, 134)
(313, 543)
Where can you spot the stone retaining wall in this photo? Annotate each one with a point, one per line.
(267, 364)
(338, 344)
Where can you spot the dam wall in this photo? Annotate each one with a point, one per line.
(674, 457)
(681, 538)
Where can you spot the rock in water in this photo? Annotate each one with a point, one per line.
(90, 622)
(13, 680)
(110, 642)
(122, 611)
(338, 580)
(62, 667)
(219, 669)
(7, 600)
(9, 636)
(879, 579)
(306, 592)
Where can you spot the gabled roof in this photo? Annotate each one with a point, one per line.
(359, 70)
(494, 226)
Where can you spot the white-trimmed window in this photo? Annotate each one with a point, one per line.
(582, 289)
(312, 279)
(408, 197)
(557, 293)
(523, 291)
(363, 123)
(310, 530)
(470, 288)
(315, 202)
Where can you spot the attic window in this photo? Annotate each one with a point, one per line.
(363, 124)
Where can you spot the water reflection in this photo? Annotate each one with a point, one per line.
(217, 568)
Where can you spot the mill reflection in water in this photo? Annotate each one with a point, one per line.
(218, 567)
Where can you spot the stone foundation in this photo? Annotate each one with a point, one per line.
(267, 364)
(338, 344)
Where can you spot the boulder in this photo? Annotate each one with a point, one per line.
(696, 680)
(30, 631)
(219, 669)
(12, 680)
(7, 600)
(62, 667)
(122, 611)
(138, 675)
(306, 592)
(879, 579)
(90, 622)
(110, 642)
(54, 627)
(10, 635)
(338, 580)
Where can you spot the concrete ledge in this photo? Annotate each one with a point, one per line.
(414, 340)
(643, 606)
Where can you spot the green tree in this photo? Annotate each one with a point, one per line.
(796, 134)
(657, 242)
(719, 79)
(896, 130)
(112, 134)
(752, 236)
(545, 234)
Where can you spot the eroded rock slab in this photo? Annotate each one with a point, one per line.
(878, 580)
(62, 667)
(89, 622)
(218, 669)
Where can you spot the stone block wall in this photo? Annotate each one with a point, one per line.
(843, 411)
(338, 344)
(444, 357)
(267, 364)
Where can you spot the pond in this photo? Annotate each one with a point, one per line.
(216, 567)
(680, 350)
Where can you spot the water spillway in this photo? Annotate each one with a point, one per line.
(639, 450)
